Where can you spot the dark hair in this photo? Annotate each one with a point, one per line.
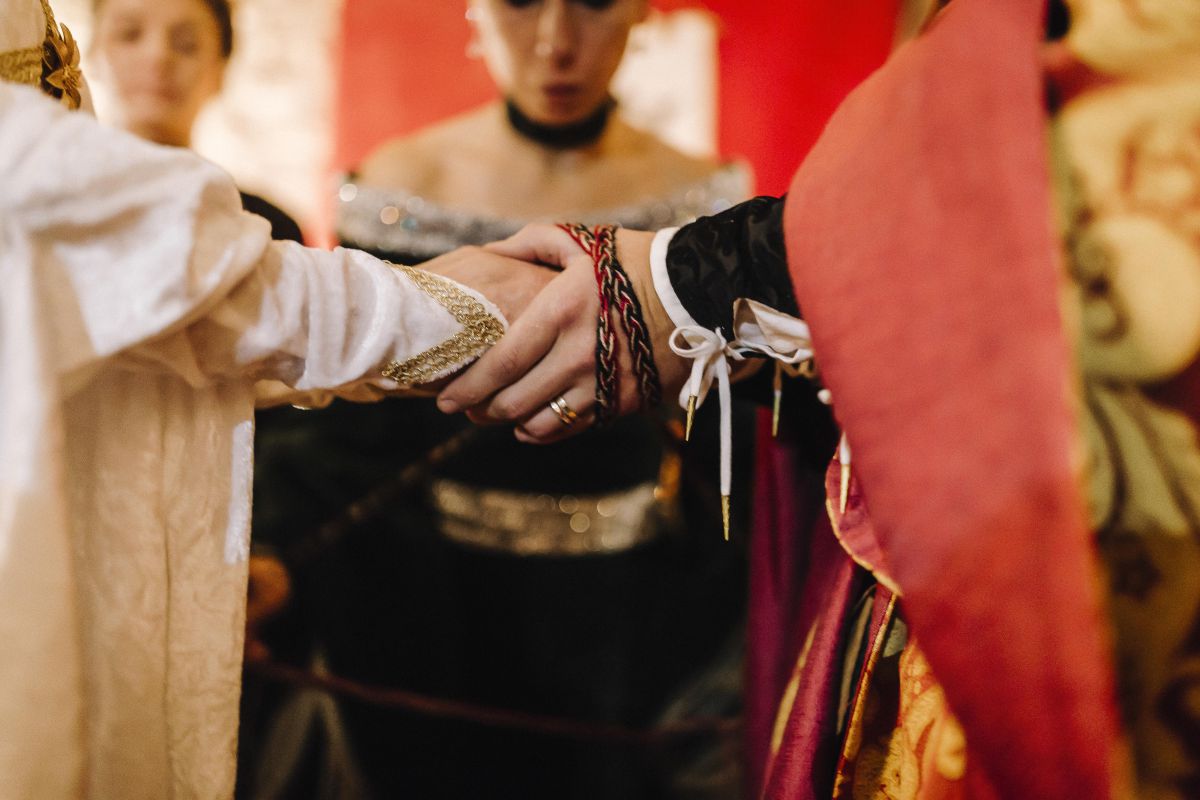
(222, 14)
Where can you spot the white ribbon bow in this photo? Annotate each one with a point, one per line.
(710, 356)
(784, 339)
(761, 329)
(757, 329)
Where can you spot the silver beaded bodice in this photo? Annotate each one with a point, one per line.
(396, 221)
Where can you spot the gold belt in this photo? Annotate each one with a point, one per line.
(546, 525)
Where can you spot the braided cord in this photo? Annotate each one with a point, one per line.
(606, 339)
(630, 310)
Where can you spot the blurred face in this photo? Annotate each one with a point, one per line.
(161, 61)
(555, 58)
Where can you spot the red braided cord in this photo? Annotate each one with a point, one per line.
(607, 376)
(630, 310)
(605, 279)
(581, 235)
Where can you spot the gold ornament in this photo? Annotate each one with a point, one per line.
(61, 62)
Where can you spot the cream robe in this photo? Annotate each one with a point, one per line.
(138, 305)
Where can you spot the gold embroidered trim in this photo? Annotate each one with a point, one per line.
(53, 67)
(480, 330)
(853, 741)
(22, 66)
(25, 66)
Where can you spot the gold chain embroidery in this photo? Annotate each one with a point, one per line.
(480, 330)
(22, 66)
(25, 66)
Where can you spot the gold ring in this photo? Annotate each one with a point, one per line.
(566, 414)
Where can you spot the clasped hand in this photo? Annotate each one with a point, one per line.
(549, 352)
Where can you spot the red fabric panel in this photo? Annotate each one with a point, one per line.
(784, 68)
(403, 66)
(803, 766)
(799, 575)
(920, 237)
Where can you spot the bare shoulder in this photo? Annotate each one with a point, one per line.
(671, 167)
(417, 162)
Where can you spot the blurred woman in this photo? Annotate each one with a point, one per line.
(567, 580)
(163, 61)
(555, 147)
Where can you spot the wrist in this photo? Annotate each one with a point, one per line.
(633, 250)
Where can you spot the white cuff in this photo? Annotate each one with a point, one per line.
(662, 280)
(757, 329)
(761, 329)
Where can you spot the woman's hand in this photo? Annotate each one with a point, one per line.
(550, 350)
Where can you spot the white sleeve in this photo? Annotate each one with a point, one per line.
(144, 255)
(315, 320)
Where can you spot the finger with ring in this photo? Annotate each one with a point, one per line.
(566, 415)
(560, 418)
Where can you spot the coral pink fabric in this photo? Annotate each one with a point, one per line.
(920, 236)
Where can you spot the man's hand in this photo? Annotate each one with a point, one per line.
(510, 283)
(550, 350)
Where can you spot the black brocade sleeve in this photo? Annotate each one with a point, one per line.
(738, 253)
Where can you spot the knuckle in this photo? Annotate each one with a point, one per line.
(506, 408)
(507, 364)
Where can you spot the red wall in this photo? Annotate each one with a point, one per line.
(784, 68)
(403, 66)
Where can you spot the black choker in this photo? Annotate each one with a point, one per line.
(561, 137)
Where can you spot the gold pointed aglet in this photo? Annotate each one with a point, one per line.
(775, 416)
(691, 414)
(845, 493)
(725, 515)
